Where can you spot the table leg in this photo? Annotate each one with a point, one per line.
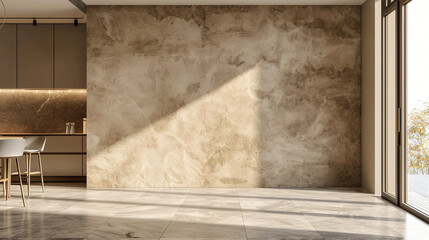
(9, 175)
(4, 174)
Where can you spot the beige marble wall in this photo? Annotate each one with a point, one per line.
(41, 111)
(220, 96)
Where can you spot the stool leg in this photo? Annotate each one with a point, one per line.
(28, 173)
(26, 168)
(4, 191)
(9, 179)
(41, 172)
(20, 181)
(4, 176)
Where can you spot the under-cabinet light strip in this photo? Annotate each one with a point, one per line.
(42, 90)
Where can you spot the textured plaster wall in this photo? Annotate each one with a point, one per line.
(224, 96)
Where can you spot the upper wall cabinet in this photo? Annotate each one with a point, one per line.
(70, 56)
(8, 56)
(35, 56)
(45, 56)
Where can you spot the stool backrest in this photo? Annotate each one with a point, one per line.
(11, 147)
(35, 143)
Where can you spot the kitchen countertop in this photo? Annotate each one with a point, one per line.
(42, 134)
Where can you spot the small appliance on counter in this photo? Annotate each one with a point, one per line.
(70, 129)
(84, 126)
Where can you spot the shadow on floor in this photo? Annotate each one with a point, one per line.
(16, 224)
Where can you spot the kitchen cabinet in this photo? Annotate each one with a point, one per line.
(64, 144)
(70, 56)
(64, 155)
(84, 163)
(57, 165)
(84, 143)
(45, 56)
(35, 56)
(62, 165)
(8, 56)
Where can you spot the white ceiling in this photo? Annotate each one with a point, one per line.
(40, 8)
(224, 2)
(63, 8)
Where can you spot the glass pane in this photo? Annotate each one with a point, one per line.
(417, 47)
(391, 104)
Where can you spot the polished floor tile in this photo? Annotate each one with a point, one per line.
(74, 212)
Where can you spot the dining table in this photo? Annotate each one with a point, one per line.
(6, 166)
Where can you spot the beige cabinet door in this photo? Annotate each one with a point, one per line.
(8, 56)
(70, 56)
(57, 165)
(84, 144)
(63, 144)
(84, 165)
(35, 56)
(62, 165)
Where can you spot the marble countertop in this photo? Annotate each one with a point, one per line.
(42, 134)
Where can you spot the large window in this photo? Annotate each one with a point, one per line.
(417, 104)
(406, 105)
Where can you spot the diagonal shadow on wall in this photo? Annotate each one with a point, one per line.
(223, 96)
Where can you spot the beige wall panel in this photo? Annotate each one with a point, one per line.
(371, 97)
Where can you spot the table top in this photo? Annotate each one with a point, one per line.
(5, 138)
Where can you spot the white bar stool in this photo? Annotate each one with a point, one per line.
(34, 145)
(11, 148)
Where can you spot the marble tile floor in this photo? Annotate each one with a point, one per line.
(74, 212)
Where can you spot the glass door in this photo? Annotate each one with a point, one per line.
(390, 105)
(416, 91)
(406, 105)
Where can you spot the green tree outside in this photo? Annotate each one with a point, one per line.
(418, 140)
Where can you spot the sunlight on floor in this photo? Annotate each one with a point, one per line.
(189, 213)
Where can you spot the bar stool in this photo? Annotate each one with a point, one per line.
(34, 145)
(11, 148)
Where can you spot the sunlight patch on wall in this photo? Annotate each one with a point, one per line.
(211, 141)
